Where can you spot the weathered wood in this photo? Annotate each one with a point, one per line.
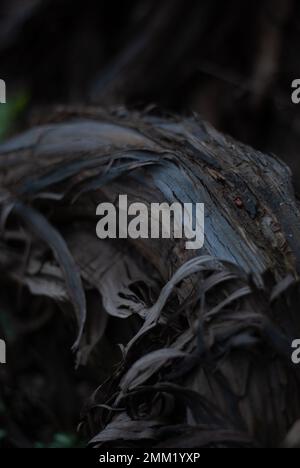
(251, 214)
(225, 327)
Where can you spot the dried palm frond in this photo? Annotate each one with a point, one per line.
(204, 336)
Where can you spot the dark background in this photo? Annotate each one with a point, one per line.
(232, 62)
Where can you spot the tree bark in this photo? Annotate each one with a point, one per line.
(206, 336)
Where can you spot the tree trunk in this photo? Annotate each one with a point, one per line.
(206, 335)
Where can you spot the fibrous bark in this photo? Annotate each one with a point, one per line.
(205, 336)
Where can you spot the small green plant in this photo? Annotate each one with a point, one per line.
(11, 111)
(62, 440)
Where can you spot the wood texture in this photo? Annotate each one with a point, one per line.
(207, 351)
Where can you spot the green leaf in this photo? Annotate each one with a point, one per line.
(11, 111)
